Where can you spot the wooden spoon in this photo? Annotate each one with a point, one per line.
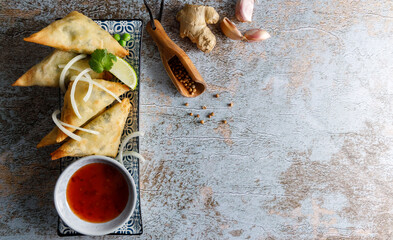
(168, 50)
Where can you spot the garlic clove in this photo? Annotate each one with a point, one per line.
(244, 9)
(230, 30)
(256, 35)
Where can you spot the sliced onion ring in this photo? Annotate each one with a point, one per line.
(98, 85)
(134, 154)
(90, 90)
(65, 69)
(72, 67)
(79, 128)
(64, 130)
(124, 143)
(73, 103)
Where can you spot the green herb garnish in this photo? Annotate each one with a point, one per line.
(101, 60)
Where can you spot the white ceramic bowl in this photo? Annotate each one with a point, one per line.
(79, 225)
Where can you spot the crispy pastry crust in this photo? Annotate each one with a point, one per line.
(77, 33)
(109, 124)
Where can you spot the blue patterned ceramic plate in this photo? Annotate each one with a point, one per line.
(134, 28)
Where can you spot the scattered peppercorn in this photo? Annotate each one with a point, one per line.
(191, 114)
(230, 104)
(202, 122)
(186, 104)
(224, 121)
(204, 107)
(217, 95)
(197, 116)
(210, 116)
(212, 113)
(182, 75)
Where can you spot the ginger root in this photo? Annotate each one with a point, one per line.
(193, 20)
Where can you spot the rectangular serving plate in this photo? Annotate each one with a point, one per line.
(134, 28)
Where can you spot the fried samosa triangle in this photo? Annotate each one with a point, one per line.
(47, 72)
(49, 139)
(109, 124)
(77, 33)
(99, 99)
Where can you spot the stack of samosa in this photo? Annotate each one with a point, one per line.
(72, 35)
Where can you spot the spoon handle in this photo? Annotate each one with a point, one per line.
(168, 49)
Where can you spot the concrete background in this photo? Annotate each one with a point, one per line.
(306, 153)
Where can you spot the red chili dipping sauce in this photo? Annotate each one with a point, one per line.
(97, 192)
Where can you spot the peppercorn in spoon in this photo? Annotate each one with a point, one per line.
(178, 65)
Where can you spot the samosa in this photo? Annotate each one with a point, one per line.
(110, 126)
(98, 100)
(47, 72)
(49, 139)
(77, 33)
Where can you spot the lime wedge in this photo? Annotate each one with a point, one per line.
(125, 73)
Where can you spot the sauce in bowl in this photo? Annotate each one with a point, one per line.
(97, 192)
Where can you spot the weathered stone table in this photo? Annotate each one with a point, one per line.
(306, 152)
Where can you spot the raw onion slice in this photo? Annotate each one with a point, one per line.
(98, 85)
(132, 153)
(90, 90)
(73, 103)
(72, 67)
(64, 130)
(67, 66)
(79, 128)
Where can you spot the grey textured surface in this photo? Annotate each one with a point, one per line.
(306, 152)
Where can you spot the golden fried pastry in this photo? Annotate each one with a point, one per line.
(110, 126)
(97, 102)
(47, 72)
(77, 33)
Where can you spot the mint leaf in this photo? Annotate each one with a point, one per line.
(101, 60)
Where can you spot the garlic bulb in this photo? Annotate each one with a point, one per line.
(244, 9)
(256, 35)
(230, 30)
